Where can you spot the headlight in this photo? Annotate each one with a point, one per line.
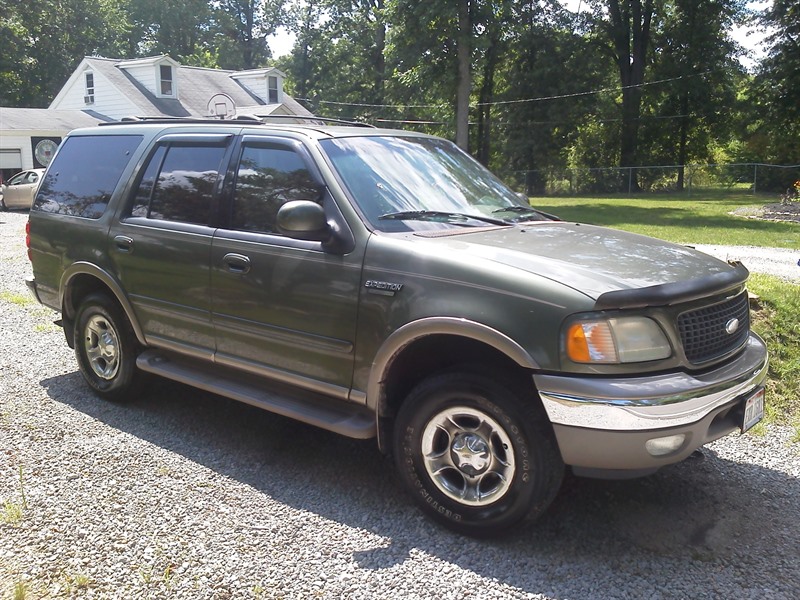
(616, 340)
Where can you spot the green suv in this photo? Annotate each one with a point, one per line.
(382, 284)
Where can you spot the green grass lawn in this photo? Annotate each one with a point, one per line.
(703, 218)
(775, 318)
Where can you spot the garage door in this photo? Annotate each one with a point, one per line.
(11, 159)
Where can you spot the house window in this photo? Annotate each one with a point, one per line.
(89, 97)
(272, 85)
(166, 80)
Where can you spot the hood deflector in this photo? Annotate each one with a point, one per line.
(674, 293)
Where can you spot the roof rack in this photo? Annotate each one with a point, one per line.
(311, 118)
(249, 119)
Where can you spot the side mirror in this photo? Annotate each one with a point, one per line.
(303, 220)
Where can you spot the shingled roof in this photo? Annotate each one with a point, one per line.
(196, 86)
(44, 119)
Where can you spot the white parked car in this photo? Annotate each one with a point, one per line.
(20, 189)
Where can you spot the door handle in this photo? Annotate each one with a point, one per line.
(123, 243)
(237, 263)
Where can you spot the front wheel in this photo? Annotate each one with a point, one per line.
(477, 455)
(106, 348)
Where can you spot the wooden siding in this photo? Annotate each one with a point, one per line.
(107, 99)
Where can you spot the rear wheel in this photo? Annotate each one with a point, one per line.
(478, 456)
(106, 348)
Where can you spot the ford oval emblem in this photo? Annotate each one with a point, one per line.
(731, 326)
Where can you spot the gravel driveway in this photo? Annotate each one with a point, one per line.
(187, 495)
(780, 262)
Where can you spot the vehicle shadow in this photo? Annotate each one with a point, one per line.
(719, 520)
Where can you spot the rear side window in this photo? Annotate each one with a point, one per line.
(84, 173)
(178, 183)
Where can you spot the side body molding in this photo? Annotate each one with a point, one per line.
(410, 332)
(86, 268)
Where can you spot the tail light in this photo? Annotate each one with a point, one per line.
(28, 238)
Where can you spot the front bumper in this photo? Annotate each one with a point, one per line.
(602, 424)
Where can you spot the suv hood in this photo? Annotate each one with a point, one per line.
(593, 260)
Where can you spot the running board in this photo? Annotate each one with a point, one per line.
(327, 413)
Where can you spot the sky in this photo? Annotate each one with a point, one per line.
(281, 43)
(751, 39)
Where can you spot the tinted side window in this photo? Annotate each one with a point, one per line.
(144, 192)
(267, 178)
(84, 174)
(178, 183)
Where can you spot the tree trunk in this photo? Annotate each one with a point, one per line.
(630, 35)
(247, 40)
(683, 143)
(486, 98)
(304, 83)
(379, 53)
(685, 103)
(464, 75)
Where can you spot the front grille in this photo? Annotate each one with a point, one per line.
(703, 331)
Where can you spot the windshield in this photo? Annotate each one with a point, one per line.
(417, 183)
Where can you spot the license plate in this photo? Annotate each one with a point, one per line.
(753, 410)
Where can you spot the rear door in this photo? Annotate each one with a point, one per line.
(282, 308)
(161, 245)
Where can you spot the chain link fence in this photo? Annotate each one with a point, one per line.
(752, 177)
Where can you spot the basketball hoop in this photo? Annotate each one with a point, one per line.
(221, 106)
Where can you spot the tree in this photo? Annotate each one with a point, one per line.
(542, 112)
(775, 95)
(432, 44)
(339, 56)
(47, 41)
(494, 26)
(304, 19)
(695, 59)
(180, 28)
(626, 26)
(13, 59)
(244, 26)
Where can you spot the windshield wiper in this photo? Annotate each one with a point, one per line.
(527, 210)
(442, 216)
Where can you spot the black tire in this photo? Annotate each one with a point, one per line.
(478, 456)
(106, 349)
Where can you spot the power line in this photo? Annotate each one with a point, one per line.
(504, 102)
(601, 91)
(532, 123)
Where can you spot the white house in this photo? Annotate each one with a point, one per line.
(30, 136)
(159, 86)
(104, 89)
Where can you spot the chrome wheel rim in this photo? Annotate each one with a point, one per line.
(102, 347)
(468, 456)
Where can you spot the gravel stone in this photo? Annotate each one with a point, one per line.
(182, 494)
(780, 262)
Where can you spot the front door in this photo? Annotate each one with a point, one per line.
(282, 308)
(19, 191)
